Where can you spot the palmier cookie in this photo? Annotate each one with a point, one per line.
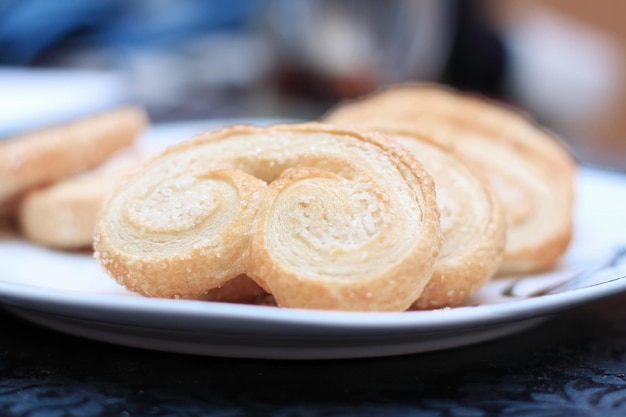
(320, 217)
(63, 215)
(531, 174)
(472, 223)
(50, 154)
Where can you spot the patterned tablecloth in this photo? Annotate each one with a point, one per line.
(572, 365)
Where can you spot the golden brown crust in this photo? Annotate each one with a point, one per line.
(47, 155)
(396, 234)
(530, 172)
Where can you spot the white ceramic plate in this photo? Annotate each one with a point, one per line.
(68, 292)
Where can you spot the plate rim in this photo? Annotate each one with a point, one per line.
(123, 309)
(134, 310)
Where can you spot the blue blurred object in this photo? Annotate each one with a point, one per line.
(27, 28)
(31, 28)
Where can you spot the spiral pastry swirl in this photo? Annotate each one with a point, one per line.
(319, 216)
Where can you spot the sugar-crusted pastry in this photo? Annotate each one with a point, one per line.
(319, 216)
(44, 156)
(472, 223)
(530, 172)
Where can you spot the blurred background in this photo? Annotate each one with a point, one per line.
(561, 60)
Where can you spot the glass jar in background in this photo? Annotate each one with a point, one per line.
(333, 49)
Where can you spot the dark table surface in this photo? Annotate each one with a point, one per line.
(571, 365)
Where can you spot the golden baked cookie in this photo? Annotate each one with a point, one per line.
(532, 174)
(319, 216)
(63, 215)
(472, 223)
(536, 196)
(41, 157)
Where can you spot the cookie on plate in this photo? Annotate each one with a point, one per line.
(47, 155)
